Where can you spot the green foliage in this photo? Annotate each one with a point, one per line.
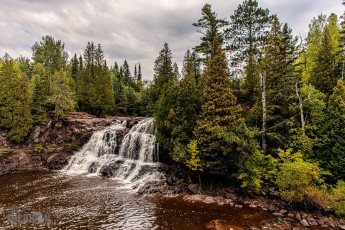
(278, 66)
(15, 112)
(248, 30)
(331, 131)
(94, 85)
(194, 163)
(61, 98)
(50, 54)
(212, 28)
(295, 176)
(39, 148)
(339, 198)
(219, 114)
(40, 90)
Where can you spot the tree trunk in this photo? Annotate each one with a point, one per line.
(300, 100)
(264, 111)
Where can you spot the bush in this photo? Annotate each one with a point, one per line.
(339, 199)
(39, 148)
(295, 176)
(256, 169)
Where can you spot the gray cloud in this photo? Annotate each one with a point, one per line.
(131, 29)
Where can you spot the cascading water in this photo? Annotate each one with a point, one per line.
(134, 159)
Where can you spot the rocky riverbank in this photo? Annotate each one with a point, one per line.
(285, 216)
(52, 143)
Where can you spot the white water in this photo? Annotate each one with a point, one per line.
(134, 161)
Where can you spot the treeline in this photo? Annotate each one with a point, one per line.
(272, 112)
(251, 101)
(50, 85)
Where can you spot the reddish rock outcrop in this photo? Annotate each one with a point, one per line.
(53, 142)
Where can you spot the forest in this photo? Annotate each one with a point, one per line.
(251, 102)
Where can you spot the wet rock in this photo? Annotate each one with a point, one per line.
(111, 169)
(312, 221)
(304, 223)
(253, 206)
(278, 214)
(57, 160)
(170, 180)
(342, 226)
(298, 216)
(194, 188)
(272, 208)
(283, 211)
(93, 167)
(194, 198)
(209, 200)
(238, 206)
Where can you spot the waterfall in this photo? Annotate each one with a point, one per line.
(131, 158)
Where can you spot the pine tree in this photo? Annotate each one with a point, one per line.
(219, 115)
(212, 28)
(246, 35)
(14, 100)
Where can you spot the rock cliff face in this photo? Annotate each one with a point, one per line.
(54, 142)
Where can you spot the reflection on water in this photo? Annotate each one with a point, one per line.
(80, 202)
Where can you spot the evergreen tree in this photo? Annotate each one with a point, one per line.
(40, 92)
(219, 115)
(246, 35)
(139, 73)
(182, 117)
(324, 75)
(163, 73)
(163, 94)
(74, 67)
(278, 66)
(211, 27)
(14, 100)
(332, 132)
(135, 73)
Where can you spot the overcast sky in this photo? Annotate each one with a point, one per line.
(132, 29)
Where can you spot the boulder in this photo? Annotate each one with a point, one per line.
(304, 223)
(194, 188)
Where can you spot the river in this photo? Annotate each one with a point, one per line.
(93, 202)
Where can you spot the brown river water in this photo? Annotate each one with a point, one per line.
(83, 202)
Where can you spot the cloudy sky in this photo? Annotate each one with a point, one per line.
(131, 29)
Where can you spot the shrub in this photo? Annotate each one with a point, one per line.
(339, 199)
(39, 148)
(295, 176)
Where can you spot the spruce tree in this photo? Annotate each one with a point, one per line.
(139, 73)
(219, 114)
